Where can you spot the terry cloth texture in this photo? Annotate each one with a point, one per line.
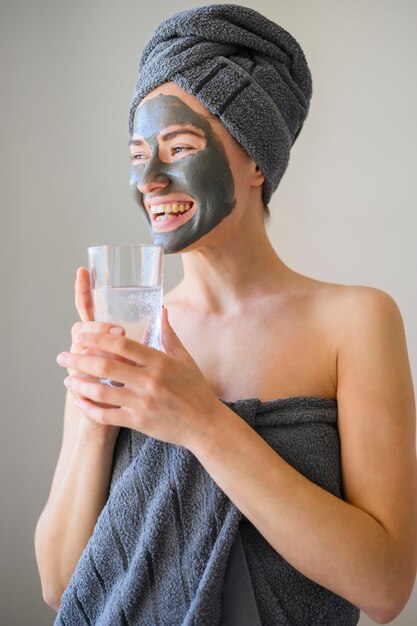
(245, 69)
(164, 548)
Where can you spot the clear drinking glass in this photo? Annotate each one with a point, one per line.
(126, 288)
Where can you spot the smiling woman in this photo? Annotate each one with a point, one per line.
(261, 469)
(174, 141)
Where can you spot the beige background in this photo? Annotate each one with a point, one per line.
(344, 212)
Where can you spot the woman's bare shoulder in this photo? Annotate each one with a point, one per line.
(343, 310)
(342, 301)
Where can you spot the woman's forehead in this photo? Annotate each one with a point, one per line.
(167, 109)
(163, 111)
(172, 105)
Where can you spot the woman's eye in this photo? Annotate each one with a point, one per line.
(138, 157)
(178, 149)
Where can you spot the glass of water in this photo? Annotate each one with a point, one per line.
(126, 288)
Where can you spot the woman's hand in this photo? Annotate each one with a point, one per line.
(165, 395)
(87, 324)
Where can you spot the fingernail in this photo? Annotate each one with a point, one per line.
(81, 338)
(116, 330)
(68, 382)
(62, 358)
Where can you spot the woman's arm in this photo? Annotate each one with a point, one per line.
(365, 548)
(78, 494)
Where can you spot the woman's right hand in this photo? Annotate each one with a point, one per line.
(84, 306)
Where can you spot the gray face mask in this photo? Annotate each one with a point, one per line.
(203, 176)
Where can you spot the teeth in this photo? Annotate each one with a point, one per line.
(161, 218)
(171, 208)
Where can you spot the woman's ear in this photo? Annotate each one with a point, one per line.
(258, 177)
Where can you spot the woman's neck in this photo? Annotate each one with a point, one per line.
(229, 266)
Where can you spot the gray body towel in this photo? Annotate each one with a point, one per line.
(165, 549)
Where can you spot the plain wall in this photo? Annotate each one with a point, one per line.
(344, 211)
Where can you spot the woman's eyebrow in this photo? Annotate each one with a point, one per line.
(181, 131)
(137, 142)
(170, 135)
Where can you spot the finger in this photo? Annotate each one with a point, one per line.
(78, 396)
(97, 392)
(107, 355)
(73, 372)
(127, 348)
(95, 327)
(101, 367)
(110, 417)
(170, 340)
(78, 349)
(83, 301)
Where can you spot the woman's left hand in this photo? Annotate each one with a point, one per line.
(165, 395)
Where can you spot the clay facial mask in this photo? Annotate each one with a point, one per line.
(195, 190)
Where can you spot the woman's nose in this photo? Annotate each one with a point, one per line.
(159, 181)
(153, 177)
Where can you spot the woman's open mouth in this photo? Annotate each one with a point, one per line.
(166, 217)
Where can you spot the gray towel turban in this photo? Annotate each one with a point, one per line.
(245, 69)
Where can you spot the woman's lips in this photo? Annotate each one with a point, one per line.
(173, 222)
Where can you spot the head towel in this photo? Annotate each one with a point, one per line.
(245, 69)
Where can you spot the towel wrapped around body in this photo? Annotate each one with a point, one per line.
(166, 545)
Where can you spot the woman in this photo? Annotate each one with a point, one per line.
(231, 500)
